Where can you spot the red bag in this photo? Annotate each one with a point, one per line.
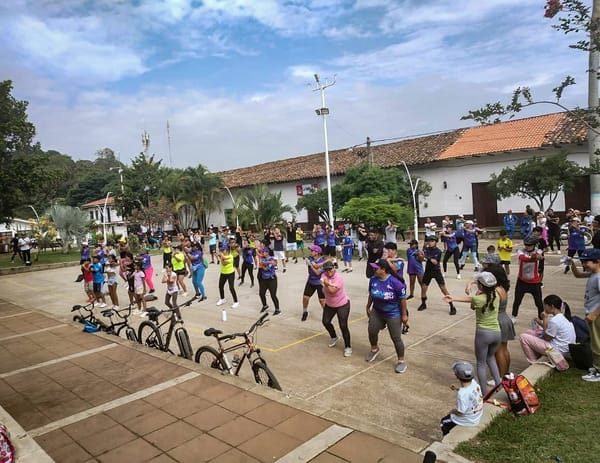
(520, 392)
(7, 451)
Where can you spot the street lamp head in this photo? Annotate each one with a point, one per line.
(317, 78)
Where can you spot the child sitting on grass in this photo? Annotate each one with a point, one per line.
(469, 399)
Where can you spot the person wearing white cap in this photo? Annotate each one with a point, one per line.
(469, 399)
(485, 303)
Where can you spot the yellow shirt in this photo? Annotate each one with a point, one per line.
(178, 261)
(299, 234)
(500, 245)
(227, 264)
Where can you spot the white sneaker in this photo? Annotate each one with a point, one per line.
(136, 312)
(347, 351)
(443, 274)
(185, 294)
(333, 342)
(591, 375)
(458, 277)
(491, 382)
(221, 302)
(513, 319)
(102, 305)
(235, 305)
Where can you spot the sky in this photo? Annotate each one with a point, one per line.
(235, 78)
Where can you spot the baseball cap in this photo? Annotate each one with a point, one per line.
(84, 243)
(381, 263)
(328, 265)
(316, 248)
(491, 259)
(413, 242)
(431, 238)
(463, 370)
(486, 279)
(530, 240)
(470, 222)
(590, 254)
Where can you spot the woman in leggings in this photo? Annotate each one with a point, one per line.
(227, 276)
(267, 279)
(336, 303)
(485, 303)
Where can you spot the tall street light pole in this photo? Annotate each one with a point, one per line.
(413, 189)
(104, 218)
(237, 219)
(324, 111)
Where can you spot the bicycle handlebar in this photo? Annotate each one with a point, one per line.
(228, 337)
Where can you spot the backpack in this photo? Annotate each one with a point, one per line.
(581, 353)
(7, 450)
(521, 394)
(582, 330)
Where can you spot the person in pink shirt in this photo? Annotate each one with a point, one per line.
(336, 303)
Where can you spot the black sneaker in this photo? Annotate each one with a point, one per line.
(284, 270)
(304, 316)
(452, 309)
(252, 285)
(277, 312)
(567, 269)
(405, 329)
(264, 307)
(422, 307)
(151, 291)
(410, 297)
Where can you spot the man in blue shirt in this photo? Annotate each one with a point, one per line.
(510, 221)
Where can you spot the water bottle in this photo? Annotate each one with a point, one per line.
(224, 315)
(235, 361)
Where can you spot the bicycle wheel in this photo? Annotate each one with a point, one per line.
(128, 332)
(78, 318)
(208, 357)
(262, 375)
(183, 341)
(149, 335)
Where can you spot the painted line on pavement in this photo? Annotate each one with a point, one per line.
(57, 360)
(375, 364)
(110, 405)
(15, 315)
(33, 332)
(317, 445)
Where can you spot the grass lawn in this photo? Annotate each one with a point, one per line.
(565, 428)
(47, 257)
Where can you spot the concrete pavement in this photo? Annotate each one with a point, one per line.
(401, 410)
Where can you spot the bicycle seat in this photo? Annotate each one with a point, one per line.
(212, 332)
(153, 311)
(76, 307)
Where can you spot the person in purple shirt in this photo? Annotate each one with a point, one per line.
(330, 236)
(314, 264)
(469, 244)
(318, 235)
(147, 268)
(576, 240)
(415, 269)
(451, 245)
(386, 306)
(267, 279)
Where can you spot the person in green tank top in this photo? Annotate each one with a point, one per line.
(178, 261)
(485, 303)
(227, 276)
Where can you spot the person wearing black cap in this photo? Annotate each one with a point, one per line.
(386, 306)
(469, 399)
(528, 280)
(433, 271)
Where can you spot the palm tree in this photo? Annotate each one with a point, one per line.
(203, 190)
(262, 207)
(70, 223)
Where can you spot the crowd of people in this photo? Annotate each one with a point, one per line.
(239, 254)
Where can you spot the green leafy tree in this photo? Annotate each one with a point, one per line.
(70, 222)
(203, 191)
(154, 215)
(538, 179)
(258, 206)
(375, 211)
(141, 183)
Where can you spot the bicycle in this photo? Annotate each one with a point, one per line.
(150, 334)
(217, 358)
(119, 327)
(85, 313)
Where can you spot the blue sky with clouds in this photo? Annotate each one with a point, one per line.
(234, 78)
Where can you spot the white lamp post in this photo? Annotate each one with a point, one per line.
(413, 189)
(104, 218)
(324, 111)
(237, 219)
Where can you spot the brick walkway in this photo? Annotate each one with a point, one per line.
(80, 397)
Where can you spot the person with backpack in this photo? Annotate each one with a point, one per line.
(553, 330)
(590, 259)
(469, 399)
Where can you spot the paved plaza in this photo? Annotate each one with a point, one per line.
(326, 391)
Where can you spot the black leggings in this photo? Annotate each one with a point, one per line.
(229, 278)
(250, 269)
(535, 289)
(269, 284)
(455, 254)
(343, 313)
(554, 238)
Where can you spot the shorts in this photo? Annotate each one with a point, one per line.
(338, 247)
(236, 261)
(291, 246)
(437, 276)
(88, 286)
(505, 262)
(213, 248)
(279, 255)
(112, 281)
(139, 291)
(300, 244)
(330, 251)
(181, 272)
(309, 290)
(97, 287)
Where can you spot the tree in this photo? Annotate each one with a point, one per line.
(202, 190)
(260, 207)
(576, 18)
(16, 133)
(70, 222)
(375, 211)
(538, 179)
(141, 183)
(154, 215)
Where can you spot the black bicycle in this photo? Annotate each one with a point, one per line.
(85, 313)
(150, 331)
(217, 358)
(121, 326)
